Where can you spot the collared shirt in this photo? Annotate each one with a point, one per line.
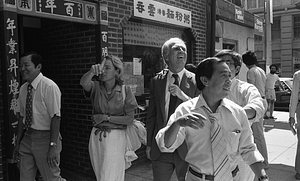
(46, 102)
(235, 129)
(295, 94)
(111, 104)
(170, 81)
(247, 96)
(257, 77)
(271, 79)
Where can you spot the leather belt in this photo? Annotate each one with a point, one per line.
(211, 177)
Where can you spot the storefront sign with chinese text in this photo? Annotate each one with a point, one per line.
(12, 77)
(104, 30)
(157, 11)
(72, 10)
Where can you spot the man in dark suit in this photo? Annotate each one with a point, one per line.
(168, 89)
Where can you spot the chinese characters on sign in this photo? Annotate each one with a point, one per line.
(12, 75)
(161, 12)
(104, 30)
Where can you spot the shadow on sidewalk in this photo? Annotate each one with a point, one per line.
(270, 124)
(281, 172)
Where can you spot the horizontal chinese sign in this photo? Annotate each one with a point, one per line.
(73, 10)
(157, 11)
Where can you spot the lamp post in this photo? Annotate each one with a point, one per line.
(268, 33)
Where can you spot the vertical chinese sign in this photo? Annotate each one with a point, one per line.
(11, 78)
(104, 30)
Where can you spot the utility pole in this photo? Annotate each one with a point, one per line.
(268, 16)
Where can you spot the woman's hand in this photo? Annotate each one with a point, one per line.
(98, 118)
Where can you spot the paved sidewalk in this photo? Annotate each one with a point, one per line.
(281, 145)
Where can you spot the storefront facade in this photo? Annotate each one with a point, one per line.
(73, 35)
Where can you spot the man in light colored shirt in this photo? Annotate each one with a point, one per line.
(163, 89)
(191, 122)
(295, 108)
(245, 95)
(272, 78)
(38, 142)
(257, 77)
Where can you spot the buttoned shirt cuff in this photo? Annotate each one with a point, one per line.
(160, 140)
(252, 157)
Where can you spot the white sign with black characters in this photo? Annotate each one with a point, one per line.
(157, 11)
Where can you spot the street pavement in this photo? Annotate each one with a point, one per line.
(281, 144)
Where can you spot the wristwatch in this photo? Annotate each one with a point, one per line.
(52, 144)
(108, 117)
(264, 177)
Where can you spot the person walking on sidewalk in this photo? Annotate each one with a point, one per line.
(294, 108)
(38, 141)
(257, 77)
(215, 129)
(111, 116)
(272, 78)
(245, 95)
(168, 89)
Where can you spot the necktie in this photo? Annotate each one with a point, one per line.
(28, 108)
(173, 99)
(222, 169)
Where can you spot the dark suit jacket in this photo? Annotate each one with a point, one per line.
(156, 115)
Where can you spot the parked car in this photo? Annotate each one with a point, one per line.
(283, 95)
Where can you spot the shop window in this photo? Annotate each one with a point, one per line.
(296, 26)
(257, 38)
(276, 30)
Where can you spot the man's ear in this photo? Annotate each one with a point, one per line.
(237, 69)
(39, 66)
(204, 80)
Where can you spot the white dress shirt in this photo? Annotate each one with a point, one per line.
(247, 96)
(235, 128)
(257, 77)
(295, 94)
(46, 102)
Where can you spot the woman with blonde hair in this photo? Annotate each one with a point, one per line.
(111, 116)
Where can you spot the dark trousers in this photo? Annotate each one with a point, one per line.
(165, 165)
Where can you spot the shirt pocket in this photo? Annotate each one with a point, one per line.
(233, 139)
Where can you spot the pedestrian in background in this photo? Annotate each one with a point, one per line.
(245, 95)
(257, 77)
(295, 108)
(272, 78)
(168, 89)
(215, 129)
(111, 116)
(38, 141)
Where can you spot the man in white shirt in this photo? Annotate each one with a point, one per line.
(295, 108)
(193, 120)
(38, 142)
(245, 95)
(257, 77)
(272, 78)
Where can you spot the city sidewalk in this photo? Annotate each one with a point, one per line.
(281, 145)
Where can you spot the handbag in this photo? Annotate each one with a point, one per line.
(136, 135)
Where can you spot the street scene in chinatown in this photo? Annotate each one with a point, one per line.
(142, 90)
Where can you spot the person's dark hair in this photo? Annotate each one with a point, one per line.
(236, 57)
(35, 57)
(206, 69)
(249, 58)
(191, 67)
(273, 65)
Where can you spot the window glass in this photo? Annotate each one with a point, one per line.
(276, 30)
(251, 4)
(296, 26)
